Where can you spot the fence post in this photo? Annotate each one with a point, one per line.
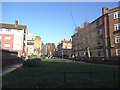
(64, 76)
(90, 75)
(114, 74)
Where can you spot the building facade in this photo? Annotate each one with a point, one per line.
(64, 48)
(14, 37)
(100, 37)
(37, 46)
(30, 43)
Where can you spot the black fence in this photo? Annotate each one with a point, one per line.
(90, 72)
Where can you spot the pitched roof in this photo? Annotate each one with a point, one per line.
(12, 26)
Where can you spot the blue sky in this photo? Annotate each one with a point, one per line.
(52, 21)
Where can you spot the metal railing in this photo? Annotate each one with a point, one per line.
(90, 72)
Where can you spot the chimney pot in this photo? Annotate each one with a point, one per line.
(104, 10)
(16, 23)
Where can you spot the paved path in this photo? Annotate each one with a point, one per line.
(10, 68)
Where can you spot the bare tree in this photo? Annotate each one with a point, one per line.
(86, 39)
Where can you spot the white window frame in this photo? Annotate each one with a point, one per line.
(7, 37)
(116, 26)
(117, 52)
(7, 45)
(116, 14)
(117, 37)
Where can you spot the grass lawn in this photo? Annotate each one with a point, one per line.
(48, 75)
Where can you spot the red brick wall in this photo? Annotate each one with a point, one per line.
(113, 21)
(5, 41)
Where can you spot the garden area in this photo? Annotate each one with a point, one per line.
(48, 74)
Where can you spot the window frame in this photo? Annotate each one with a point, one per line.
(117, 37)
(116, 26)
(116, 14)
(8, 38)
(7, 44)
(117, 52)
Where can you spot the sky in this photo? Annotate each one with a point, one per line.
(52, 21)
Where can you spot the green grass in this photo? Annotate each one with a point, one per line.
(48, 75)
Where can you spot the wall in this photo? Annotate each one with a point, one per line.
(9, 57)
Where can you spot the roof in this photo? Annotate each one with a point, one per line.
(12, 26)
(114, 9)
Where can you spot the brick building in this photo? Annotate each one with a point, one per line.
(14, 37)
(64, 48)
(37, 46)
(104, 31)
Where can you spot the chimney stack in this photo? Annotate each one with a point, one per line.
(16, 23)
(70, 39)
(104, 10)
(64, 39)
(86, 23)
(61, 41)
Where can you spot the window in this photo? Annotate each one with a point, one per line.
(101, 41)
(7, 45)
(7, 37)
(8, 30)
(117, 52)
(100, 21)
(117, 39)
(0, 37)
(116, 15)
(94, 34)
(101, 31)
(0, 29)
(69, 47)
(18, 30)
(68, 43)
(117, 27)
(64, 43)
(94, 25)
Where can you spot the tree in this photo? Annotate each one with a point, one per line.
(86, 38)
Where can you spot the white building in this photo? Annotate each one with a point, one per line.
(30, 43)
(14, 37)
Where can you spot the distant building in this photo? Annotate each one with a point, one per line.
(14, 37)
(50, 49)
(64, 49)
(106, 30)
(37, 46)
(30, 43)
(43, 49)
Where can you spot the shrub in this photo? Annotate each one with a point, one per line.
(32, 62)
